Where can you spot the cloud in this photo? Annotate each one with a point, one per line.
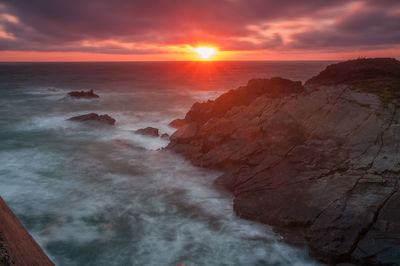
(154, 26)
(363, 27)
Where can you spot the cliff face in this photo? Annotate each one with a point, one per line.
(17, 247)
(319, 162)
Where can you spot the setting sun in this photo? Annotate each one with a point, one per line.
(205, 52)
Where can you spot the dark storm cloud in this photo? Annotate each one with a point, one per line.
(365, 28)
(60, 25)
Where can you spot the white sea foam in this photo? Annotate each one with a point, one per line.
(45, 91)
(202, 95)
(47, 122)
(171, 210)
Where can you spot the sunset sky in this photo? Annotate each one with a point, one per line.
(117, 30)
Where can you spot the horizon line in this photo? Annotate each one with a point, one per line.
(171, 61)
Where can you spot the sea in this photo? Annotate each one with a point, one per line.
(107, 196)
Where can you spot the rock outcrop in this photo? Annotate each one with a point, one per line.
(148, 131)
(94, 119)
(320, 163)
(177, 123)
(17, 247)
(83, 94)
(4, 257)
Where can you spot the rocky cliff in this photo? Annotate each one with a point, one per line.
(319, 162)
(17, 247)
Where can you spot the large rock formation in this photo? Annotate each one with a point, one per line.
(17, 247)
(320, 163)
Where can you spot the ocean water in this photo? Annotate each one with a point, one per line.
(106, 196)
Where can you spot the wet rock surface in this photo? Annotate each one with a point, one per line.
(319, 162)
(94, 119)
(83, 94)
(4, 257)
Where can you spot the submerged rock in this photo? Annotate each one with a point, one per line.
(148, 131)
(165, 136)
(319, 162)
(83, 94)
(93, 117)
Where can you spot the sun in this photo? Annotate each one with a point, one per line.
(205, 52)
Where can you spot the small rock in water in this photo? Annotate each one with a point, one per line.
(83, 94)
(93, 117)
(148, 131)
(165, 136)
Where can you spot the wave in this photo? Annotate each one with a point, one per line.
(144, 207)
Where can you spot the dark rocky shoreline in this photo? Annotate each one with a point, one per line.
(319, 162)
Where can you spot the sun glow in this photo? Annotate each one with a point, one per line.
(205, 52)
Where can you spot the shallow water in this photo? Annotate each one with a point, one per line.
(106, 196)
